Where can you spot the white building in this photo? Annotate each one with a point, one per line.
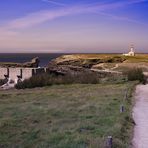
(131, 53)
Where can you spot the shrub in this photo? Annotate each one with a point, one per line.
(2, 81)
(35, 81)
(135, 74)
(50, 79)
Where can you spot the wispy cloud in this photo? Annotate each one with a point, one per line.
(47, 15)
(121, 18)
(119, 4)
(54, 2)
(41, 17)
(11, 31)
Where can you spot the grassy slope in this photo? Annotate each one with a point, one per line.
(137, 58)
(140, 60)
(66, 116)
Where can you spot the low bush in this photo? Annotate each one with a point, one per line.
(136, 74)
(50, 79)
(2, 81)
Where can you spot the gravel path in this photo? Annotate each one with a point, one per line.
(140, 115)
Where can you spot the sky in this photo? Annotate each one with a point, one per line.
(73, 26)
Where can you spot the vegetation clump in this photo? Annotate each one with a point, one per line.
(136, 74)
(47, 79)
(2, 81)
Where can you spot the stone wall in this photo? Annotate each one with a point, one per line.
(3, 71)
(14, 73)
(27, 73)
(23, 73)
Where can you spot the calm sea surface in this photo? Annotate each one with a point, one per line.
(20, 58)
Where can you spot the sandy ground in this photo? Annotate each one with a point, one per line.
(140, 115)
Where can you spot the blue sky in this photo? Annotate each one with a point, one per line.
(73, 25)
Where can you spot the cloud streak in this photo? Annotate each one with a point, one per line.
(121, 18)
(54, 2)
(40, 17)
(115, 5)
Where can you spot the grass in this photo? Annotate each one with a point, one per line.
(138, 58)
(130, 59)
(66, 116)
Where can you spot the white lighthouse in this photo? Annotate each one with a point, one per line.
(131, 53)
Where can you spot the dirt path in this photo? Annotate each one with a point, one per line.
(108, 70)
(140, 115)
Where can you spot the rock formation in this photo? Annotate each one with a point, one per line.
(79, 63)
(34, 63)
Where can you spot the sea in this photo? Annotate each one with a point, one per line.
(44, 58)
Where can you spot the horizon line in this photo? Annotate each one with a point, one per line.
(68, 53)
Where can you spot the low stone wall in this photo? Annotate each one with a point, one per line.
(23, 73)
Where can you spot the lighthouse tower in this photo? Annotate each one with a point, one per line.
(131, 53)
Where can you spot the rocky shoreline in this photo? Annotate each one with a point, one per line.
(34, 63)
(80, 63)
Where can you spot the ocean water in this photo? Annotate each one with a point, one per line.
(25, 57)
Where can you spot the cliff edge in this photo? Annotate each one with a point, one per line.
(34, 63)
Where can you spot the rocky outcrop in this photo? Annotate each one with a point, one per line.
(87, 61)
(65, 69)
(75, 60)
(80, 63)
(34, 63)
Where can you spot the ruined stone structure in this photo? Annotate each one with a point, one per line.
(19, 73)
(13, 73)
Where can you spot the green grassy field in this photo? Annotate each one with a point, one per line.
(66, 116)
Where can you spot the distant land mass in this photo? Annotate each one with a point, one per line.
(25, 57)
(45, 58)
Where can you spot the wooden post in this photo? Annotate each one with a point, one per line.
(21, 73)
(126, 94)
(8, 72)
(122, 109)
(109, 142)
